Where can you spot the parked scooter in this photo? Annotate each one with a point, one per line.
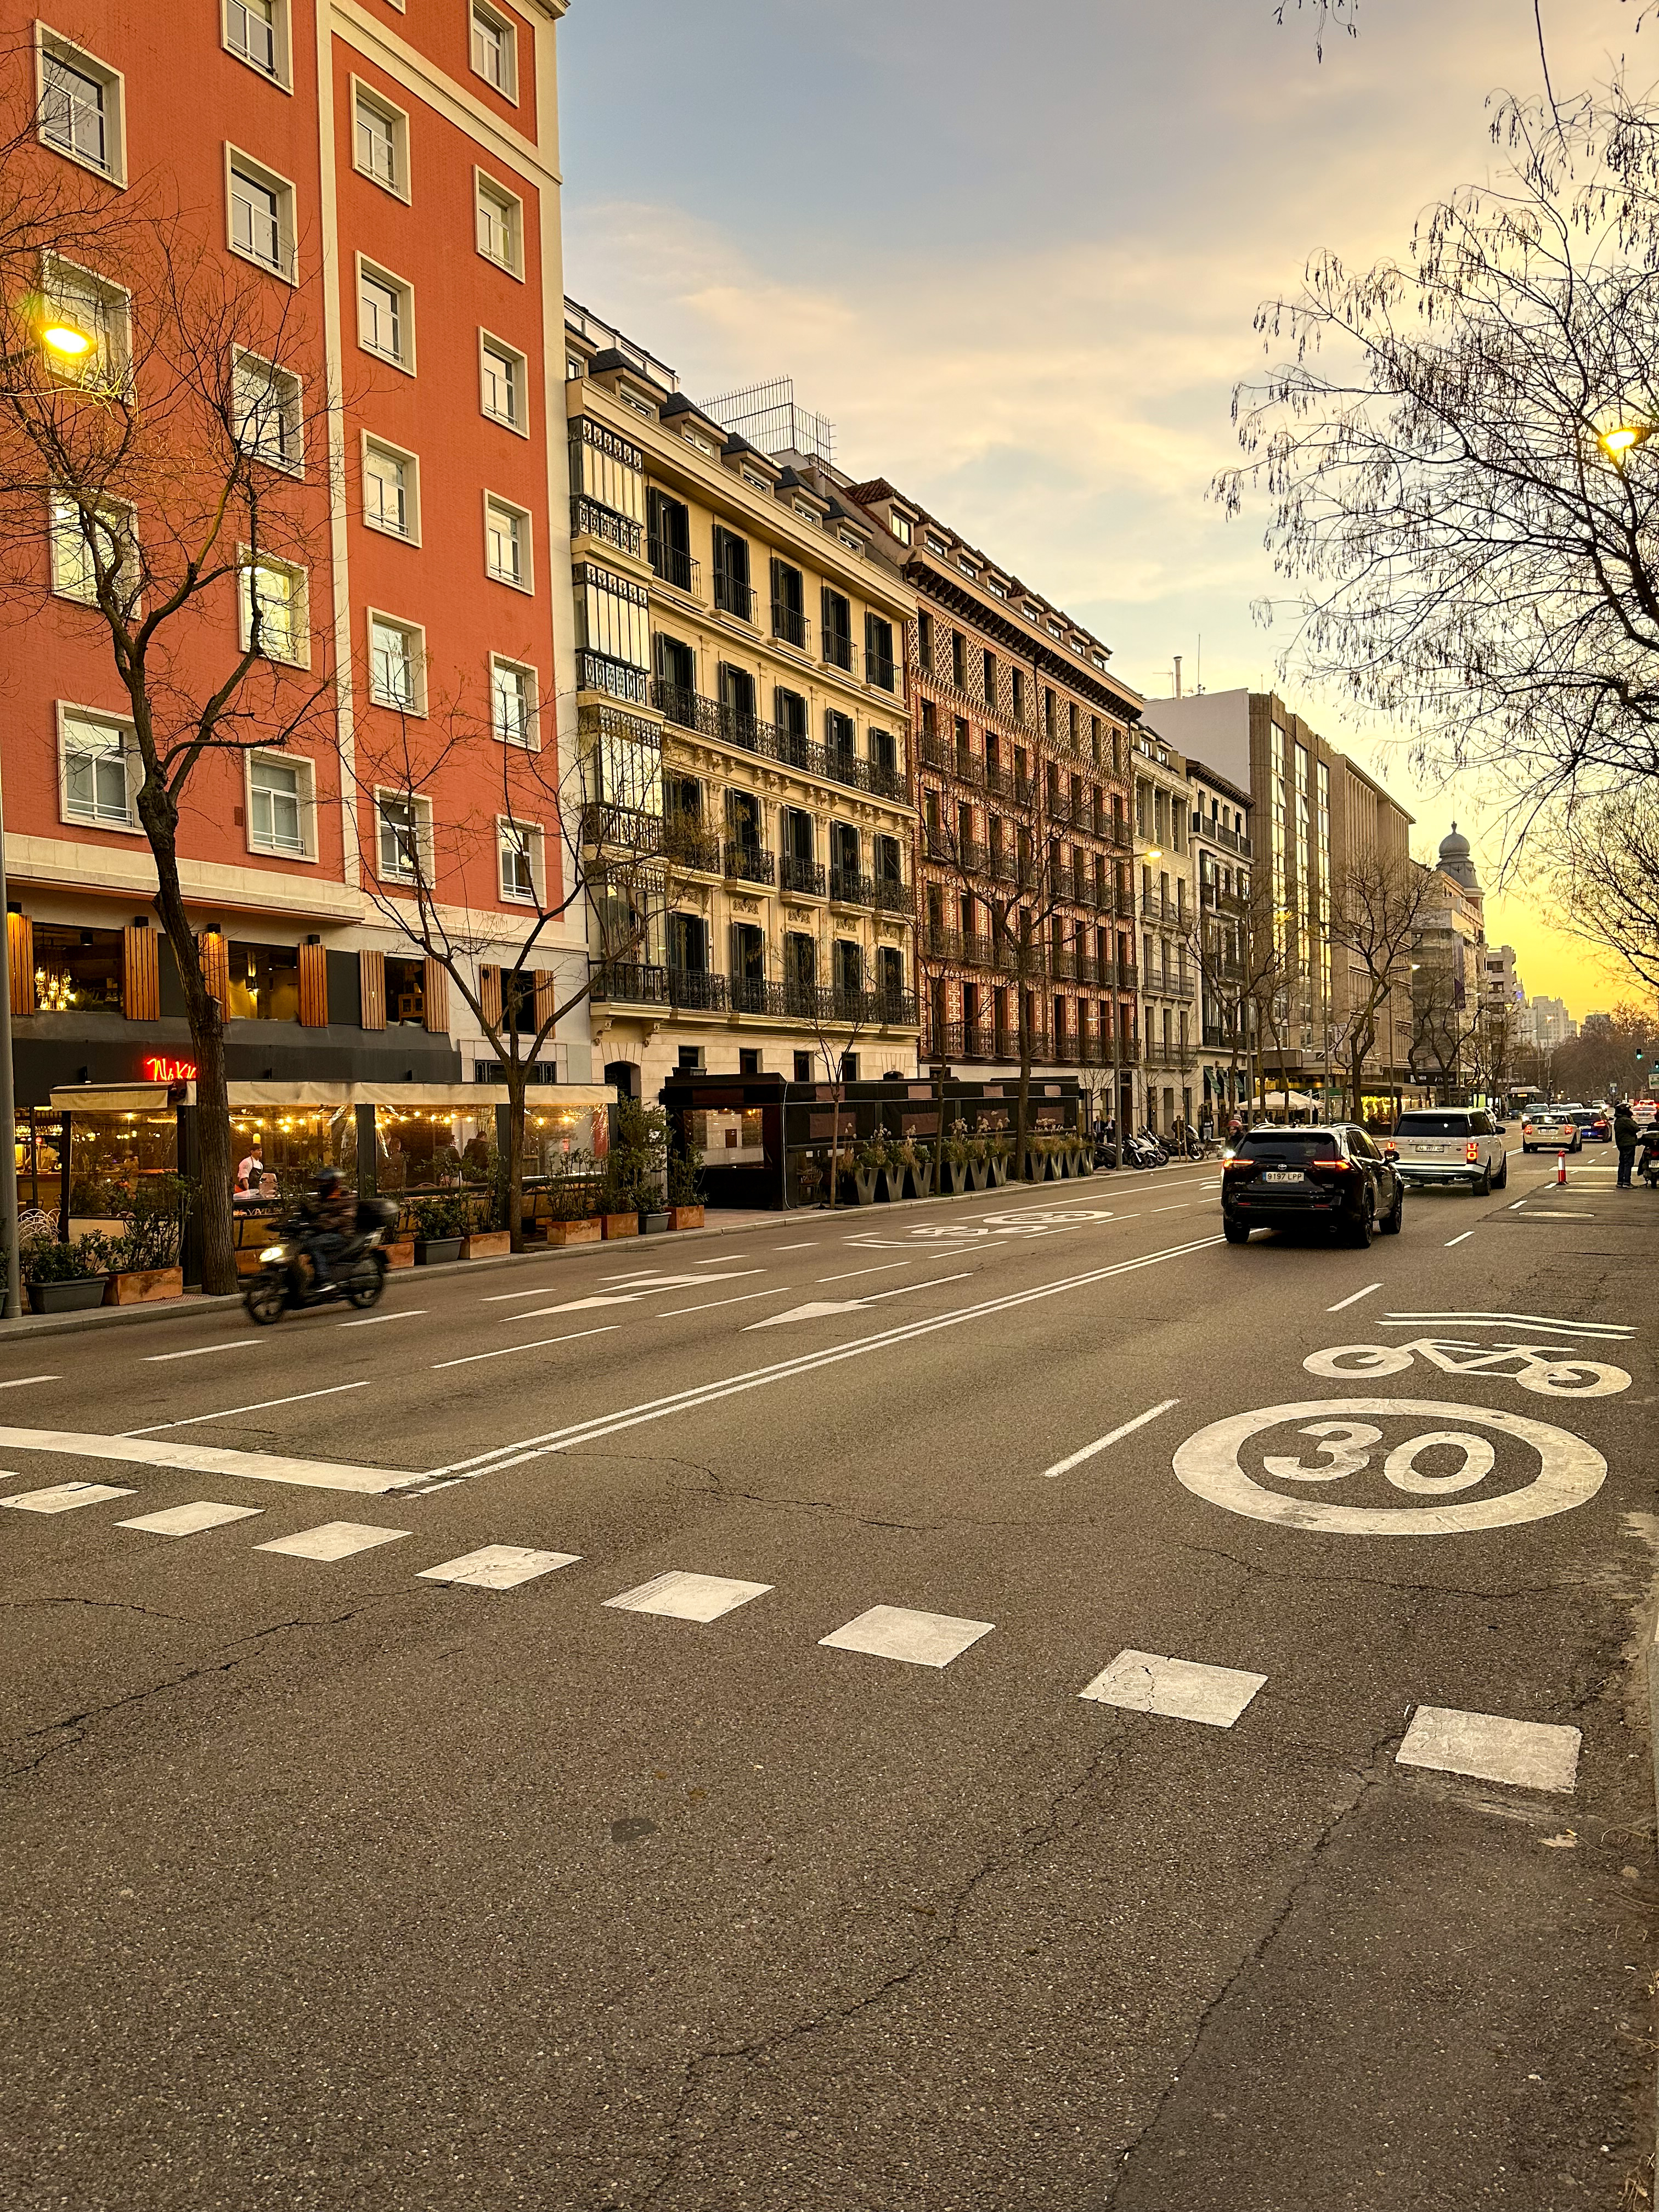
(1142, 1149)
(287, 1280)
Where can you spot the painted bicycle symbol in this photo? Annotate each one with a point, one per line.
(1540, 1368)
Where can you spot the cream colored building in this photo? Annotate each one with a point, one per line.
(742, 721)
(1169, 968)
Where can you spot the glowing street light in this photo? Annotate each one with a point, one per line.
(1620, 440)
(67, 340)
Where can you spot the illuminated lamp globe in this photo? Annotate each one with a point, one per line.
(66, 341)
(1620, 441)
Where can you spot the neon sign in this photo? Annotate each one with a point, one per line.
(160, 1070)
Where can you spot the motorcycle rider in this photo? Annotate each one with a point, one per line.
(329, 1210)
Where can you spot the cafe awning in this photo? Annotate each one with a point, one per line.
(442, 1098)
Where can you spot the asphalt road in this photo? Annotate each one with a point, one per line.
(332, 1883)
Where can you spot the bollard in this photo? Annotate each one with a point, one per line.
(1560, 1167)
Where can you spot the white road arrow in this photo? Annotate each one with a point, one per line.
(644, 1291)
(820, 1308)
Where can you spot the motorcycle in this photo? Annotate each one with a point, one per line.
(1142, 1149)
(287, 1280)
(1649, 1167)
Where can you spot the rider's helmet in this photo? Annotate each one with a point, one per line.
(326, 1181)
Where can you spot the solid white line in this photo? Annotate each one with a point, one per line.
(333, 1391)
(1617, 1330)
(539, 1345)
(1463, 1239)
(1182, 1208)
(709, 1305)
(1065, 1465)
(212, 1459)
(1355, 1298)
(855, 1273)
(18, 1380)
(904, 1289)
(502, 1298)
(811, 1246)
(373, 1320)
(724, 1260)
(234, 1344)
(699, 1394)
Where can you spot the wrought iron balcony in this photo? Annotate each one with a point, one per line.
(629, 982)
(749, 864)
(839, 650)
(879, 670)
(687, 709)
(596, 671)
(589, 520)
(674, 565)
(797, 874)
(894, 896)
(686, 841)
(733, 595)
(697, 987)
(848, 888)
(624, 829)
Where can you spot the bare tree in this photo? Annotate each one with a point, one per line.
(1376, 909)
(156, 398)
(1443, 1023)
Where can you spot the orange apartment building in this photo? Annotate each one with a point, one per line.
(388, 177)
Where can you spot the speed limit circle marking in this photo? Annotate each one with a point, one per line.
(1569, 1471)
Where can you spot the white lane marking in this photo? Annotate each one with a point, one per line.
(233, 1344)
(18, 1380)
(811, 1246)
(818, 1307)
(502, 1297)
(259, 1405)
(1181, 1689)
(681, 1596)
(1517, 1204)
(499, 1566)
(631, 1297)
(373, 1320)
(1182, 1208)
(190, 1520)
(1557, 1214)
(333, 1539)
(1399, 1319)
(508, 1350)
(922, 1639)
(724, 1260)
(1065, 1465)
(1463, 1239)
(1529, 1754)
(64, 1497)
(1354, 1298)
(212, 1459)
(628, 1417)
(886, 1268)
(744, 1298)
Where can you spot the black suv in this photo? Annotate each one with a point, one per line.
(1334, 1178)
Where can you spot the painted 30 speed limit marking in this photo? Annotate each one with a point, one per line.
(1338, 1438)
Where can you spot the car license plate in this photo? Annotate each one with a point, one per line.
(1282, 1175)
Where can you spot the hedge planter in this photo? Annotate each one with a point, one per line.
(433, 1251)
(486, 1244)
(574, 1233)
(864, 1182)
(140, 1286)
(74, 1296)
(685, 1217)
(620, 1224)
(399, 1255)
(653, 1224)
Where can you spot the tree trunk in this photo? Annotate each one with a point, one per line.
(207, 1039)
(834, 1143)
(516, 1074)
(1022, 1107)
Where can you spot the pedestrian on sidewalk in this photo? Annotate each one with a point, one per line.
(1626, 1136)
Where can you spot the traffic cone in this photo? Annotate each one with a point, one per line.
(1560, 1167)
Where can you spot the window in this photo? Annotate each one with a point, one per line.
(501, 225)
(274, 614)
(504, 385)
(878, 651)
(520, 855)
(81, 540)
(733, 593)
(386, 316)
(396, 672)
(900, 526)
(380, 140)
(261, 214)
(264, 981)
(405, 833)
(256, 32)
(95, 750)
(507, 542)
(937, 546)
(391, 491)
(493, 55)
(809, 513)
(512, 702)
(279, 805)
(93, 316)
(268, 420)
(79, 110)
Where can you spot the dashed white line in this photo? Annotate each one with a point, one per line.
(1463, 1239)
(851, 1273)
(1088, 1451)
(709, 1305)
(233, 1344)
(541, 1343)
(811, 1246)
(1353, 1300)
(722, 1260)
(373, 1320)
(18, 1380)
(259, 1406)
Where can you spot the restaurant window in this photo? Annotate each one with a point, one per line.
(405, 992)
(265, 983)
(77, 971)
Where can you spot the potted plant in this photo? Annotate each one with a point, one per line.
(870, 1159)
(441, 1226)
(979, 1160)
(144, 1258)
(571, 1201)
(685, 1209)
(66, 1278)
(996, 1159)
(958, 1149)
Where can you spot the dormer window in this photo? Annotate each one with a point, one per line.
(938, 547)
(852, 544)
(754, 483)
(997, 591)
(966, 566)
(695, 438)
(640, 406)
(809, 514)
(900, 526)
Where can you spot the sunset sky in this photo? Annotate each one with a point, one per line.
(1014, 253)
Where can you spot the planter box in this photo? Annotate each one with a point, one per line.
(864, 1182)
(140, 1286)
(620, 1224)
(72, 1296)
(486, 1244)
(979, 1174)
(399, 1255)
(685, 1217)
(433, 1251)
(574, 1233)
(998, 1174)
(958, 1172)
(653, 1224)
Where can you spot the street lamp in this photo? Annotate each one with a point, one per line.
(67, 340)
(1620, 441)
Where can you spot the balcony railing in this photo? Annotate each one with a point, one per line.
(879, 670)
(839, 650)
(796, 874)
(792, 1000)
(697, 987)
(710, 718)
(894, 896)
(685, 839)
(674, 565)
(629, 982)
(1173, 1055)
(848, 888)
(596, 672)
(749, 864)
(791, 624)
(626, 829)
(733, 595)
(1062, 963)
(589, 520)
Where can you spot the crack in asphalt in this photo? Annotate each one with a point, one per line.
(1401, 1581)
(97, 1604)
(1047, 1826)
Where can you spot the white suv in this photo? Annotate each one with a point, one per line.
(1450, 1144)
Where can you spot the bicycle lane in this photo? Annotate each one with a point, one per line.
(1440, 1524)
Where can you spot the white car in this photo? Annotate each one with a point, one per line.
(1552, 1129)
(1450, 1145)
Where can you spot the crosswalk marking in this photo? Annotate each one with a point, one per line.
(894, 1632)
(64, 1497)
(1181, 1689)
(207, 1459)
(683, 1596)
(499, 1566)
(1528, 1754)
(333, 1539)
(190, 1520)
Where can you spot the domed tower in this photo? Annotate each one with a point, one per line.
(1457, 861)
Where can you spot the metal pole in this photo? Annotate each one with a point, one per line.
(13, 1307)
